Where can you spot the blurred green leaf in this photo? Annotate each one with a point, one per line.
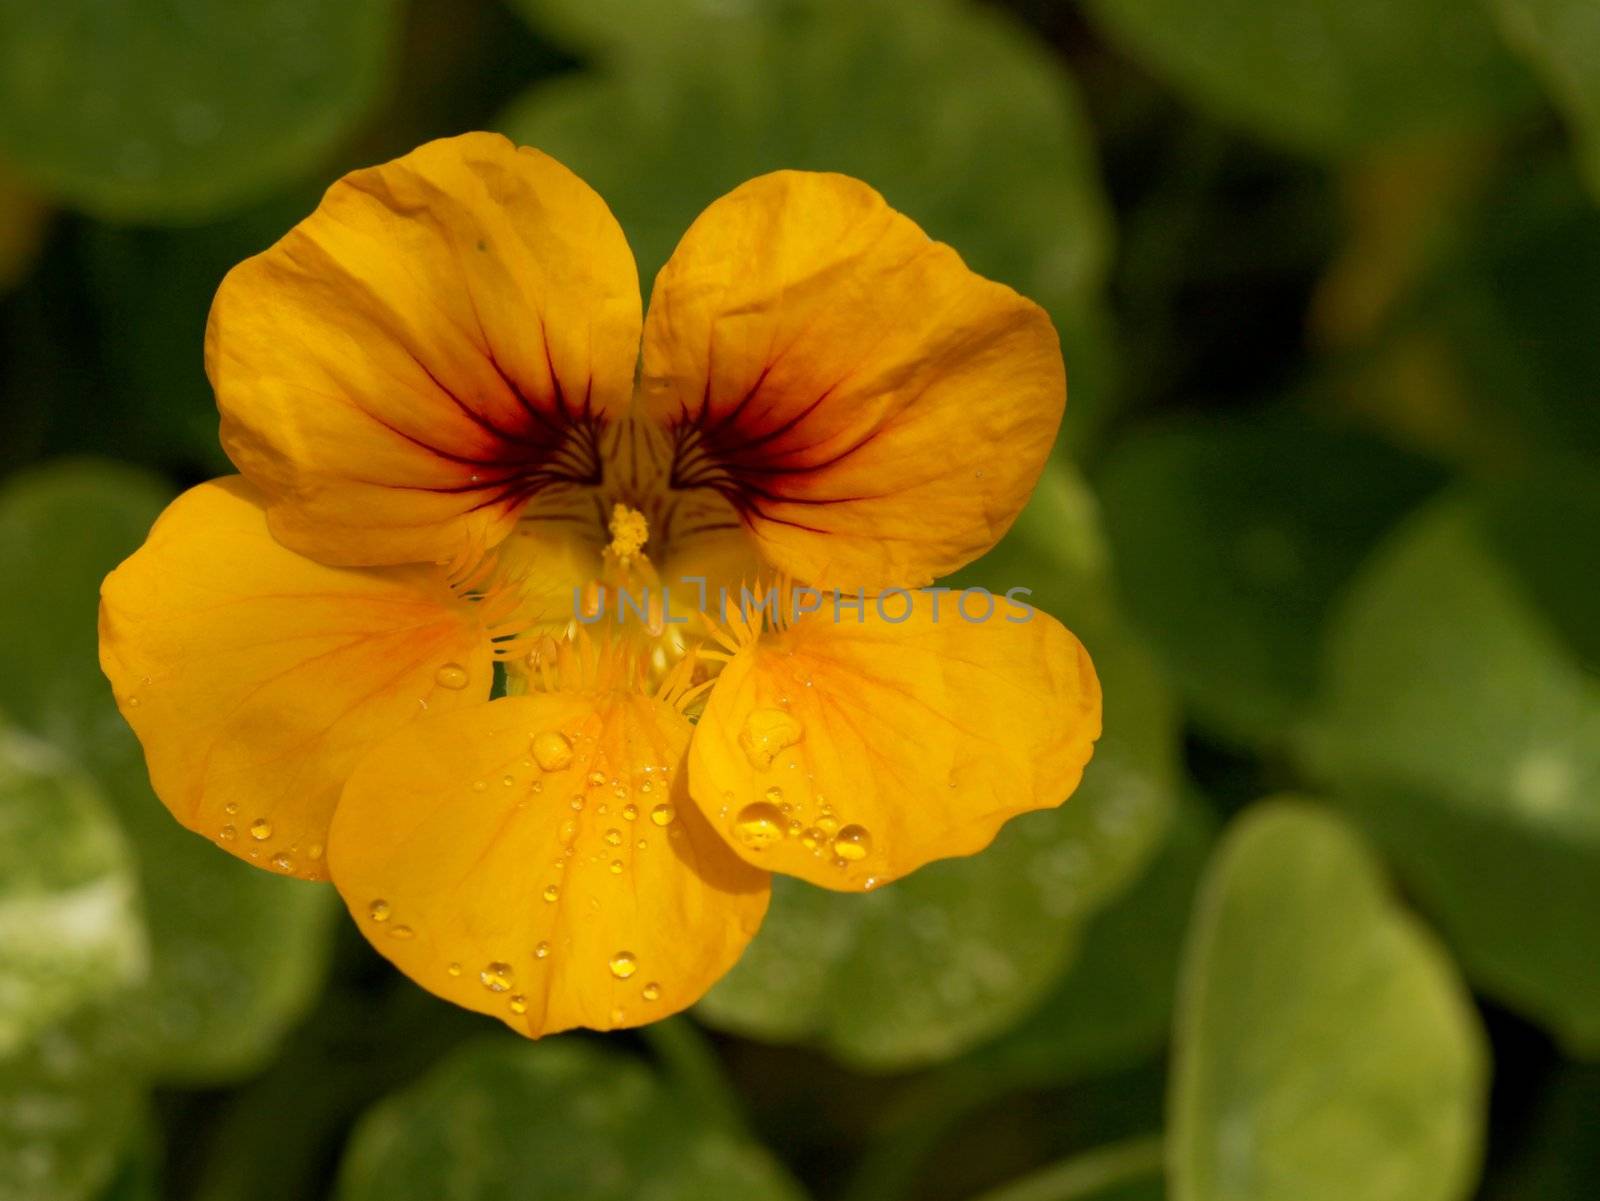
(1457, 726)
(1327, 76)
(1114, 1006)
(931, 965)
(560, 1118)
(1561, 41)
(67, 1114)
(236, 954)
(1231, 540)
(1325, 1048)
(138, 114)
(23, 217)
(963, 121)
(70, 929)
(62, 528)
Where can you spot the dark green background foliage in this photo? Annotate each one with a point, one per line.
(1323, 921)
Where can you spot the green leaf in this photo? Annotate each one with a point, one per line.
(559, 1118)
(1560, 39)
(1325, 1049)
(1114, 1007)
(70, 930)
(67, 1115)
(62, 528)
(959, 118)
(133, 114)
(1457, 726)
(1233, 591)
(934, 964)
(235, 954)
(1327, 76)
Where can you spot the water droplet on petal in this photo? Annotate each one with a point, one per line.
(452, 676)
(518, 1003)
(758, 826)
(542, 951)
(630, 812)
(378, 911)
(765, 733)
(261, 829)
(479, 785)
(496, 977)
(568, 831)
(616, 867)
(283, 862)
(597, 778)
(228, 833)
(551, 892)
(662, 815)
(651, 991)
(552, 750)
(314, 851)
(613, 837)
(231, 807)
(454, 969)
(852, 843)
(401, 932)
(623, 964)
(774, 795)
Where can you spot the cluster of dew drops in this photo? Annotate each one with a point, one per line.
(552, 751)
(774, 819)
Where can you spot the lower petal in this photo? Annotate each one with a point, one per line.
(256, 678)
(850, 750)
(537, 859)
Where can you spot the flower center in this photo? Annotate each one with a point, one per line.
(629, 532)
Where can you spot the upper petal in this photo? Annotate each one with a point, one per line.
(535, 859)
(850, 751)
(878, 412)
(409, 363)
(255, 678)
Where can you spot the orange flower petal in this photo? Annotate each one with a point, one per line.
(850, 753)
(414, 360)
(535, 859)
(256, 678)
(876, 411)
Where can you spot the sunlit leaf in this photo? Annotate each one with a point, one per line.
(958, 117)
(931, 965)
(131, 113)
(1459, 727)
(235, 954)
(1561, 41)
(1327, 76)
(1231, 542)
(67, 1113)
(1325, 1048)
(559, 1118)
(70, 929)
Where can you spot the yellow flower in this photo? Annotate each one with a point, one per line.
(429, 389)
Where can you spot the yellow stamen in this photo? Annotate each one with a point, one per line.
(629, 533)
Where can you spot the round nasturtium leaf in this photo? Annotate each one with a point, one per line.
(929, 966)
(1457, 724)
(134, 113)
(1325, 1049)
(236, 954)
(70, 928)
(1232, 591)
(962, 120)
(1328, 76)
(68, 1111)
(563, 1117)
